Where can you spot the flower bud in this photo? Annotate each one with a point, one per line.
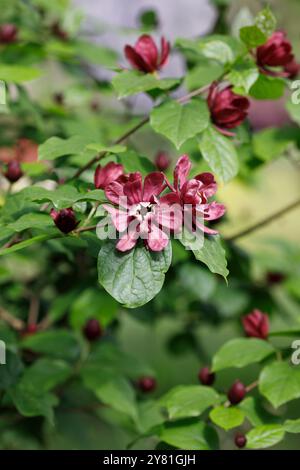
(236, 393)
(14, 171)
(276, 52)
(144, 55)
(105, 175)
(8, 33)
(228, 110)
(147, 384)
(206, 377)
(162, 161)
(92, 330)
(64, 219)
(240, 440)
(292, 69)
(256, 324)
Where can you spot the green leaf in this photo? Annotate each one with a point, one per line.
(132, 162)
(11, 371)
(266, 21)
(185, 401)
(265, 436)
(112, 390)
(242, 76)
(220, 153)
(92, 303)
(99, 148)
(202, 74)
(18, 73)
(130, 82)
(26, 243)
(252, 36)
(56, 147)
(180, 122)
(217, 50)
(227, 417)
(292, 426)
(267, 88)
(190, 436)
(62, 197)
(197, 281)
(33, 220)
(270, 143)
(255, 413)
(135, 277)
(57, 343)
(240, 352)
(30, 401)
(279, 382)
(212, 254)
(96, 54)
(45, 374)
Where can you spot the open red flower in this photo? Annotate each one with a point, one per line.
(256, 324)
(193, 195)
(140, 212)
(227, 109)
(144, 56)
(276, 52)
(104, 175)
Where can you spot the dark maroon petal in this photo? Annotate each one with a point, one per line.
(136, 60)
(165, 51)
(146, 48)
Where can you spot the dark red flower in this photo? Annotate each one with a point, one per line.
(104, 175)
(240, 440)
(193, 194)
(292, 69)
(276, 52)
(92, 329)
(256, 324)
(64, 219)
(14, 171)
(162, 161)
(140, 212)
(147, 384)
(227, 109)
(144, 56)
(237, 392)
(8, 33)
(206, 377)
(275, 277)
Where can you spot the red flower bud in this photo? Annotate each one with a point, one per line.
(64, 219)
(107, 174)
(276, 52)
(92, 330)
(147, 384)
(274, 277)
(8, 33)
(227, 109)
(256, 324)
(292, 69)
(144, 55)
(206, 377)
(237, 392)
(240, 440)
(162, 161)
(13, 172)
(29, 330)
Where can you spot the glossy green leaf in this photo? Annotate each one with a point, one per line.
(190, 436)
(227, 417)
(186, 401)
(279, 382)
(241, 352)
(265, 436)
(131, 82)
(220, 153)
(180, 122)
(133, 278)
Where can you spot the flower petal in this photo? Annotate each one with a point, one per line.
(146, 48)
(181, 171)
(136, 60)
(119, 218)
(165, 51)
(153, 185)
(157, 239)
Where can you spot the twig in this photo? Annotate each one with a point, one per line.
(12, 321)
(33, 310)
(264, 222)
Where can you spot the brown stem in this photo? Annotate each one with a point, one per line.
(33, 310)
(264, 222)
(12, 321)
